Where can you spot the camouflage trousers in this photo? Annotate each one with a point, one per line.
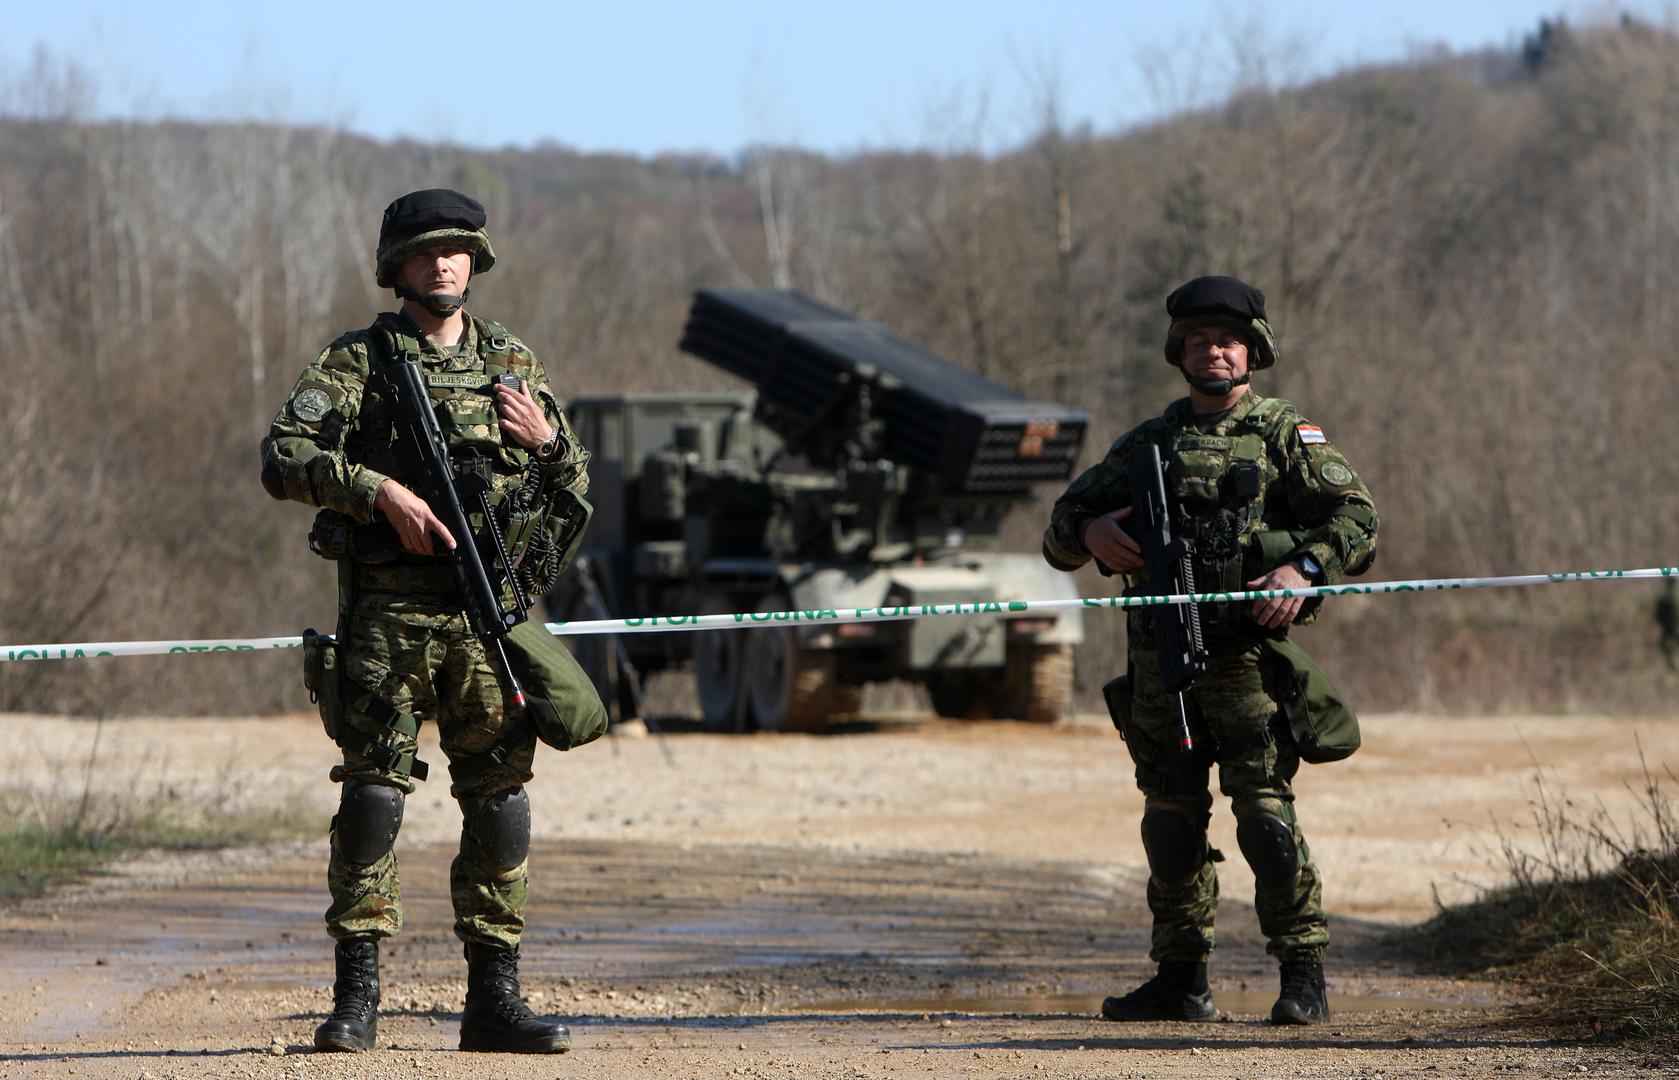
(1230, 715)
(416, 653)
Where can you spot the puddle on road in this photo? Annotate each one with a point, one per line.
(88, 979)
(1230, 1003)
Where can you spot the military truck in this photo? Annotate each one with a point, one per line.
(859, 470)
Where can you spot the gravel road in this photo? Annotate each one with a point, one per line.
(908, 898)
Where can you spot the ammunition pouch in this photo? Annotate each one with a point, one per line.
(323, 677)
(1321, 723)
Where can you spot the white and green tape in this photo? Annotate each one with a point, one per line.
(661, 624)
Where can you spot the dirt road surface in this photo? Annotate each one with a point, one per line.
(906, 899)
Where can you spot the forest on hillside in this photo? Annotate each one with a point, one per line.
(1472, 263)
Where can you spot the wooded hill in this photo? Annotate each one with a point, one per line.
(1472, 263)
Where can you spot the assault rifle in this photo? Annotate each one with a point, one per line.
(422, 450)
(1169, 569)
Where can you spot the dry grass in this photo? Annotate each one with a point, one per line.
(1589, 917)
(62, 827)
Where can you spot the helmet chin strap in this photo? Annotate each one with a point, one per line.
(1215, 387)
(442, 305)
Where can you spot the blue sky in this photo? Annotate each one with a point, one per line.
(653, 76)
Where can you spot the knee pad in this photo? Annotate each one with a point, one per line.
(502, 828)
(1267, 843)
(369, 816)
(1175, 843)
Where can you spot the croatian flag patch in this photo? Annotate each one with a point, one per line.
(1310, 433)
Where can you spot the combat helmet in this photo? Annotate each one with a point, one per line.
(1220, 301)
(421, 219)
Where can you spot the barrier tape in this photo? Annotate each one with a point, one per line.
(660, 624)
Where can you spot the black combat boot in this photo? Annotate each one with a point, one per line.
(1303, 1000)
(495, 1018)
(354, 1023)
(1177, 992)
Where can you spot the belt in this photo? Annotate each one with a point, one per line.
(438, 577)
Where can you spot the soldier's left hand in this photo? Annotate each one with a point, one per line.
(521, 416)
(1279, 611)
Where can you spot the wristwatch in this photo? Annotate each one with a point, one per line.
(549, 447)
(1309, 566)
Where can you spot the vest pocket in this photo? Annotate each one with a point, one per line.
(471, 423)
(1196, 476)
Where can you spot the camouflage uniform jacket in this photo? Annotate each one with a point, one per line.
(330, 444)
(1259, 489)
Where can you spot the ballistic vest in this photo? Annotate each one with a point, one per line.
(460, 389)
(1217, 482)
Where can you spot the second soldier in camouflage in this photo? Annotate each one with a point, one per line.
(1268, 503)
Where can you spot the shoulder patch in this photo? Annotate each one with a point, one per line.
(1310, 433)
(311, 404)
(1335, 473)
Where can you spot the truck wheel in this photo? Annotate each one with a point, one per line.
(1037, 684)
(719, 656)
(789, 687)
(953, 694)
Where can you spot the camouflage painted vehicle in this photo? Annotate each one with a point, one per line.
(862, 471)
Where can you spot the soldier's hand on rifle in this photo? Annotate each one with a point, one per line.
(1279, 611)
(411, 517)
(521, 416)
(1104, 539)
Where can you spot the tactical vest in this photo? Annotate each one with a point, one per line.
(466, 412)
(1217, 484)
(465, 403)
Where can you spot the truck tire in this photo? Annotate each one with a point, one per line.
(953, 695)
(719, 668)
(1037, 684)
(789, 687)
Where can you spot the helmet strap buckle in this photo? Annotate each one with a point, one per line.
(441, 305)
(1215, 387)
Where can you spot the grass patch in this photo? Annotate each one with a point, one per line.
(1589, 918)
(35, 857)
(48, 840)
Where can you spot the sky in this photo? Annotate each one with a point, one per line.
(656, 76)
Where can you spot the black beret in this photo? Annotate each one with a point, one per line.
(1216, 296)
(434, 208)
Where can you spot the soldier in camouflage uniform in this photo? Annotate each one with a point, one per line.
(407, 652)
(1269, 504)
